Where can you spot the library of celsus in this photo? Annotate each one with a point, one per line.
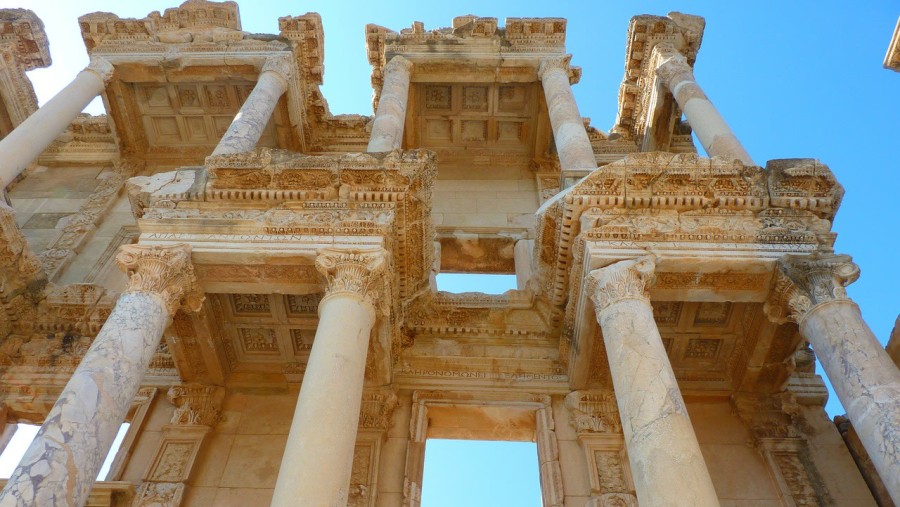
(249, 281)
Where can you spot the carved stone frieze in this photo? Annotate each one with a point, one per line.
(376, 409)
(163, 270)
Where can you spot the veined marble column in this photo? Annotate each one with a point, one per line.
(62, 462)
(35, 134)
(572, 143)
(715, 135)
(863, 376)
(666, 462)
(387, 128)
(318, 457)
(247, 127)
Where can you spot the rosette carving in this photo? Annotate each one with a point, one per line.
(356, 272)
(629, 279)
(163, 270)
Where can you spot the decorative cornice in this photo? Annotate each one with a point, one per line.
(163, 270)
(196, 404)
(803, 282)
(629, 279)
(355, 272)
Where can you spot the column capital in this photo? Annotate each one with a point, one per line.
(804, 281)
(560, 62)
(355, 272)
(101, 67)
(280, 65)
(166, 271)
(398, 63)
(628, 279)
(671, 64)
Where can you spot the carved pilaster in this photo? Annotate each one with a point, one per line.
(594, 412)
(196, 404)
(776, 423)
(376, 409)
(803, 282)
(163, 270)
(356, 272)
(630, 279)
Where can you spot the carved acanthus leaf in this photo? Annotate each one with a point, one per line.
(163, 270)
(356, 272)
(802, 282)
(629, 279)
(594, 411)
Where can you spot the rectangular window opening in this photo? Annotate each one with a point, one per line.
(24, 435)
(475, 282)
(480, 473)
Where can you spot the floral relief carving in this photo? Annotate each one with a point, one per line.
(629, 279)
(196, 404)
(356, 272)
(802, 282)
(163, 270)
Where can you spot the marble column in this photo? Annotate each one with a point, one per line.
(666, 463)
(318, 456)
(863, 376)
(62, 462)
(387, 128)
(247, 127)
(572, 143)
(715, 135)
(35, 134)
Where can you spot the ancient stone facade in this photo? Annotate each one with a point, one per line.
(220, 239)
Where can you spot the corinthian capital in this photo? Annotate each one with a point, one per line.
(630, 279)
(352, 272)
(101, 67)
(280, 65)
(398, 63)
(560, 62)
(163, 270)
(804, 281)
(672, 67)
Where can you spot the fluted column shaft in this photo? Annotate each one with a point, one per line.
(715, 135)
(62, 462)
(666, 463)
(387, 128)
(318, 457)
(863, 375)
(35, 134)
(247, 127)
(572, 143)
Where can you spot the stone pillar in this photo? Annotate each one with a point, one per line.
(35, 134)
(572, 143)
(863, 376)
(522, 258)
(387, 128)
(62, 462)
(715, 135)
(658, 433)
(318, 456)
(248, 125)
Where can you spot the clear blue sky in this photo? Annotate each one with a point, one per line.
(793, 79)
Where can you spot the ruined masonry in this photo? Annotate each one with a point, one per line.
(249, 280)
